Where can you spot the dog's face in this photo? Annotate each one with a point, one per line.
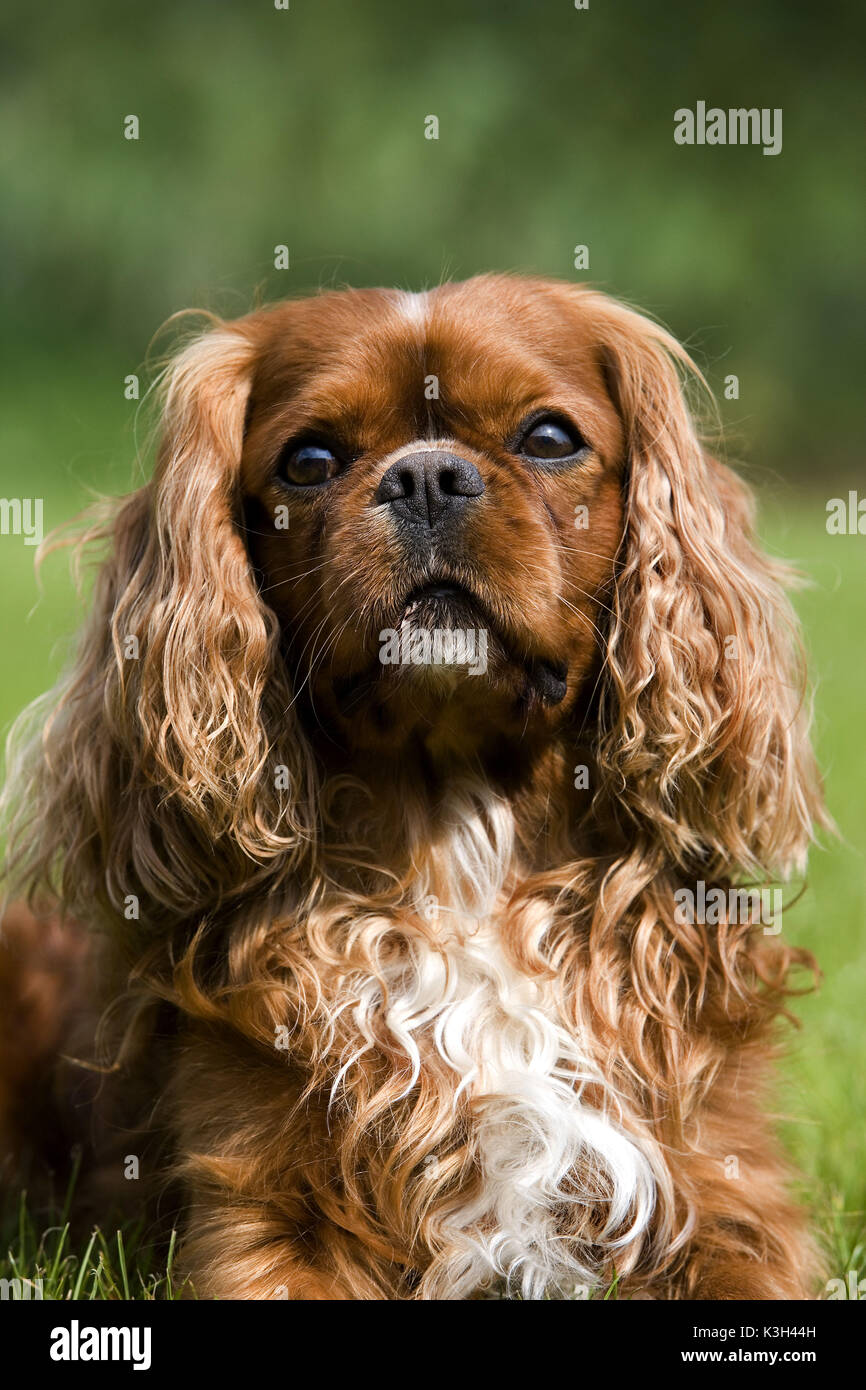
(432, 489)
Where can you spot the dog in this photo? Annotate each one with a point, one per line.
(385, 969)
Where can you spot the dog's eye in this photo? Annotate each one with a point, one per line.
(548, 439)
(306, 465)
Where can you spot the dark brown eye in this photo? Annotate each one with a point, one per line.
(551, 440)
(307, 465)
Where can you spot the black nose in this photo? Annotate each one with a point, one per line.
(429, 488)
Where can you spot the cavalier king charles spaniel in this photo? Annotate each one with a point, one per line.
(435, 668)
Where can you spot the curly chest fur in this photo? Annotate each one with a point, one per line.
(557, 1184)
(488, 1137)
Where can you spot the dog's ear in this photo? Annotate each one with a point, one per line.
(171, 770)
(704, 714)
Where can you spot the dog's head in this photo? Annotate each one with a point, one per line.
(432, 487)
(461, 525)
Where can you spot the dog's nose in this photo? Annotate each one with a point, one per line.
(430, 488)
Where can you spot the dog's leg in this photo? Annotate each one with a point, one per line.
(750, 1240)
(249, 1155)
(765, 1253)
(235, 1251)
(42, 994)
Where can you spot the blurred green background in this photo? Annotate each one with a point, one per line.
(260, 127)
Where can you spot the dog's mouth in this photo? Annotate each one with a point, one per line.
(447, 604)
(443, 603)
(441, 625)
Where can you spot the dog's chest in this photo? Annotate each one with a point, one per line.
(542, 1155)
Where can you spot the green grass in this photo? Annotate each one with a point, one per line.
(41, 1260)
(822, 1095)
(115, 1266)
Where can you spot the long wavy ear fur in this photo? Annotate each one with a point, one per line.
(151, 771)
(704, 741)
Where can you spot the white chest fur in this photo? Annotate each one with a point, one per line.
(545, 1155)
(539, 1146)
